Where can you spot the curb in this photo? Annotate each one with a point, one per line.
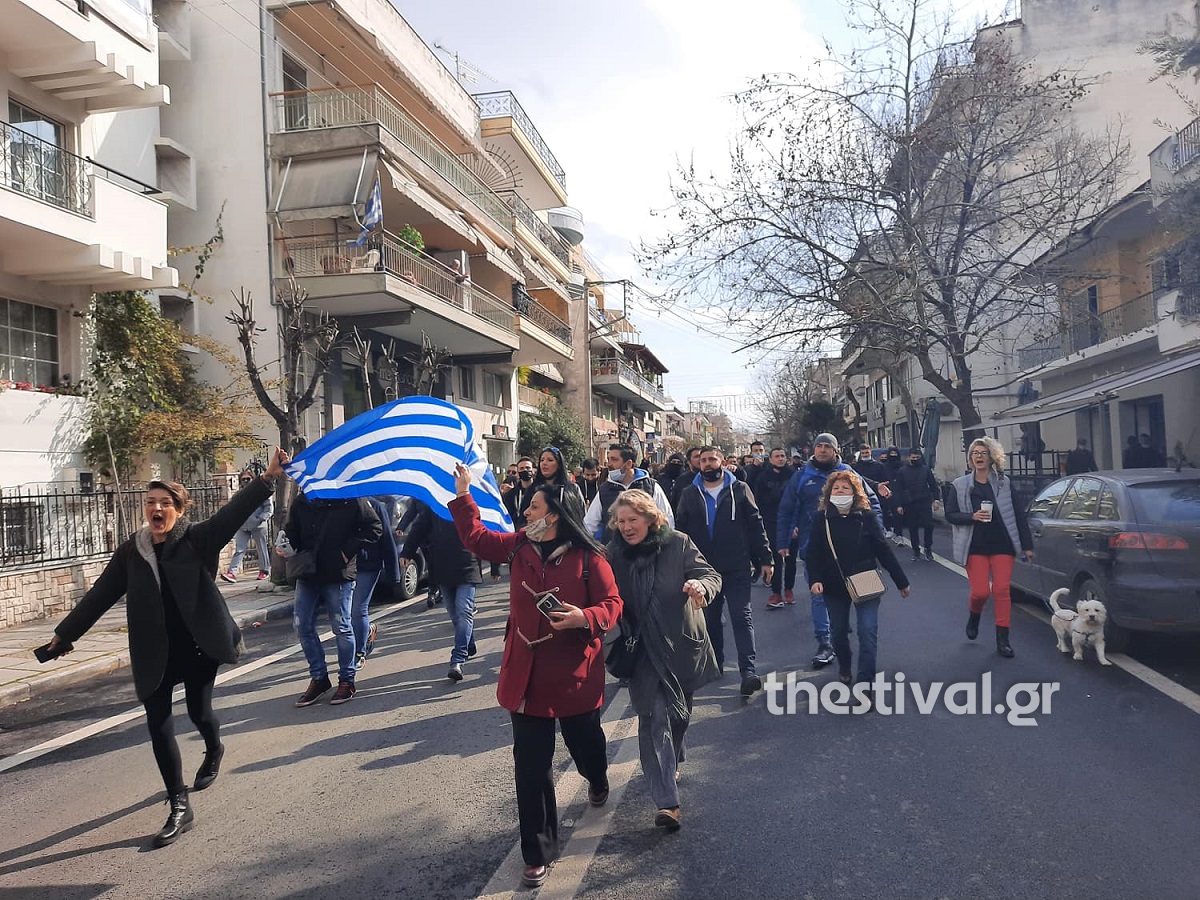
(42, 684)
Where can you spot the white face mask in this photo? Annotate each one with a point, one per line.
(842, 501)
(536, 531)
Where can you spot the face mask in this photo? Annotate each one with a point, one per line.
(536, 531)
(842, 501)
(526, 476)
(914, 462)
(712, 474)
(616, 475)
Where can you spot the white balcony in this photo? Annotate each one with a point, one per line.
(67, 220)
(105, 57)
(617, 378)
(397, 291)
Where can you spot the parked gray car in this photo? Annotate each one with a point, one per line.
(1130, 539)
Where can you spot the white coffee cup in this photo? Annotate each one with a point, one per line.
(986, 508)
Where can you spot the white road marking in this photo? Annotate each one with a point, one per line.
(80, 734)
(579, 848)
(1161, 683)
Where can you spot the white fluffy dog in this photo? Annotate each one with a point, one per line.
(1085, 624)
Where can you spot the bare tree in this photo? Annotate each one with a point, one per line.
(901, 192)
(305, 337)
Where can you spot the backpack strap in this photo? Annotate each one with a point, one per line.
(516, 548)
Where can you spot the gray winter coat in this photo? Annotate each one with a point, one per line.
(189, 563)
(692, 659)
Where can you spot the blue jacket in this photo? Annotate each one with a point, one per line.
(800, 499)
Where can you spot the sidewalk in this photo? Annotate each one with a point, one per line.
(106, 647)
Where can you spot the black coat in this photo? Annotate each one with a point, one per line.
(871, 469)
(449, 562)
(189, 564)
(860, 545)
(768, 492)
(738, 540)
(334, 530)
(916, 486)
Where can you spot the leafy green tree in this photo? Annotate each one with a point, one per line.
(145, 395)
(553, 425)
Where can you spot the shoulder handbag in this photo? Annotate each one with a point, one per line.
(622, 649)
(862, 586)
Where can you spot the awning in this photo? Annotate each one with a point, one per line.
(405, 183)
(602, 426)
(497, 256)
(1094, 392)
(324, 188)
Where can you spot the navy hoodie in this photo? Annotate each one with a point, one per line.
(728, 530)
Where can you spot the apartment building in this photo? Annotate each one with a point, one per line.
(80, 209)
(352, 165)
(1097, 41)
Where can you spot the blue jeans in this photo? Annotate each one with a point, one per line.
(459, 600)
(360, 619)
(735, 593)
(820, 615)
(868, 634)
(335, 598)
(262, 544)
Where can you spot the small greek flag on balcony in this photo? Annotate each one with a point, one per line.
(406, 448)
(373, 214)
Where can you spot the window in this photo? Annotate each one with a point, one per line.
(20, 529)
(28, 343)
(1079, 504)
(1108, 510)
(1046, 502)
(37, 164)
(493, 389)
(466, 383)
(295, 96)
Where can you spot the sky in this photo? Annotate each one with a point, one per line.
(624, 90)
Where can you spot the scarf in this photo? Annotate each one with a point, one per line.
(647, 616)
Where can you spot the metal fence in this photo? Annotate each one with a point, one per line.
(58, 525)
(503, 103)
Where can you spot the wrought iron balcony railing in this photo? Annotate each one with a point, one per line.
(1187, 145)
(338, 107)
(527, 217)
(45, 171)
(1090, 329)
(503, 103)
(331, 256)
(530, 309)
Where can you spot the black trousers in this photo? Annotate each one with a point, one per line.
(784, 576)
(198, 687)
(919, 517)
(533, 756)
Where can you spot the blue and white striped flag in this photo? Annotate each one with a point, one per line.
(372, 214)
(406, 448)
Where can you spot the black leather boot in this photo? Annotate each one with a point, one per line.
(209, 768)
(1002, 645)
(972, 626)
(179, 819)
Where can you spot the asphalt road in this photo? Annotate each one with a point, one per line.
(406, 791)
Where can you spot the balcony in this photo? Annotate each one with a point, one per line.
(397, 291)
(1171, 159)
(326, 121)
(93, 54)
(544, 336)
(532, 398)
(68, 220)
(619, 379)
(553, 250)
(508, 131)
(1080, 332)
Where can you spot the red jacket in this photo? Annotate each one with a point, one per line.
(563, 676)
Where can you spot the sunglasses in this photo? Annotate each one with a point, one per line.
(551, 450)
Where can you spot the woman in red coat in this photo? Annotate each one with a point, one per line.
(553, 666)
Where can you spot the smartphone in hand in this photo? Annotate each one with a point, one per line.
(549, 603)
(44, 654)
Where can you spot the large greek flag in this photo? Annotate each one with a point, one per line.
(406, 448)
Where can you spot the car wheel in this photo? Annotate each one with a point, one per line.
(410, 578)
(1116, 638)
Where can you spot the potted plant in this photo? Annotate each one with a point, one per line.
(412, 237)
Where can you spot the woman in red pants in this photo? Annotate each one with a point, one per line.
(990, 529)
